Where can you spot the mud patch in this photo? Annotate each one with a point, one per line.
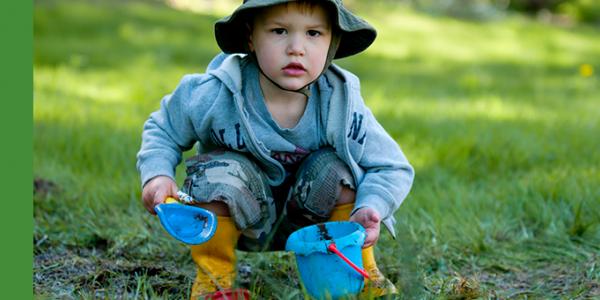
(559, 280)
(512, 277)
(44, 187)
(67, 273)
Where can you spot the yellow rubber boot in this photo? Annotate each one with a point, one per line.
(215, 260)
(341, 212)
(378, 285)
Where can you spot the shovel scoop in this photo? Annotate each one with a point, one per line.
(189, 224)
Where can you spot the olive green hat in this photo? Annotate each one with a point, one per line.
(356, 34)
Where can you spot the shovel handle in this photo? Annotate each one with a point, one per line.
(171, 200)
(183, 198)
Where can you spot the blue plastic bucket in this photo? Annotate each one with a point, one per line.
(323, 273)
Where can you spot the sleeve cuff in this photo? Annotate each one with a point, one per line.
(374, 202)
(155, 168)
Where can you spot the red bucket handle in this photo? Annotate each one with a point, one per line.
(333, 248)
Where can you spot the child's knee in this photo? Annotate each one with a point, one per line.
(324, 181)
(347, 195)
(229, 184)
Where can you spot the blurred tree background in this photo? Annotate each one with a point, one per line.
(587, 11)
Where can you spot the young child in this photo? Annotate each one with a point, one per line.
(284, 138)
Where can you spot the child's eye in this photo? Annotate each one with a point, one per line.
(313, 33)
(278, 31)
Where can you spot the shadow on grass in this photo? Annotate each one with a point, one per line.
(112, 34)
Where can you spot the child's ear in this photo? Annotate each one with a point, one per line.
(250, 45)
(249, 31)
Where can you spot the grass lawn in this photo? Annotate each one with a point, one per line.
(501, 120)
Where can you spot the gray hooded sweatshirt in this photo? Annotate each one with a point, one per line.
(203, 104)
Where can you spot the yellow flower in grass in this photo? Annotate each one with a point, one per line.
(586, 70)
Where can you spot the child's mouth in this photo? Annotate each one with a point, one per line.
(294, 69)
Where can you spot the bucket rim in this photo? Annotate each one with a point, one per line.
(357, 237)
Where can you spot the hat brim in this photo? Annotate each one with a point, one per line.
(356, 34)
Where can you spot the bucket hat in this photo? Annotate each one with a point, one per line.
(356, 34)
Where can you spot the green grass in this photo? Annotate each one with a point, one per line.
(500, 125)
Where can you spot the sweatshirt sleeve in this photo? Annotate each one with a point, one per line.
(168, 132)
(388, 174)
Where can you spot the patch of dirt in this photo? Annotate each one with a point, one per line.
(557, 280)
(43, 186)
(64, 273)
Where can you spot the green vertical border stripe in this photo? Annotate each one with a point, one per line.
(16, 219)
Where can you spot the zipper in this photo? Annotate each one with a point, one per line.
(253, 144)
(345, 138)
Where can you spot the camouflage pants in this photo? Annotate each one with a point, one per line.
(265, 214)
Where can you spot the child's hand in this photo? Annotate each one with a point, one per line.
(157, 190)
(370, 220)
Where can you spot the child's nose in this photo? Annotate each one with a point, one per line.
(295, 45)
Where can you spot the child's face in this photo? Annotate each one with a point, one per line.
(291, 43)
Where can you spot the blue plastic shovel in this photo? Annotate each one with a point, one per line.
(188, 224)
